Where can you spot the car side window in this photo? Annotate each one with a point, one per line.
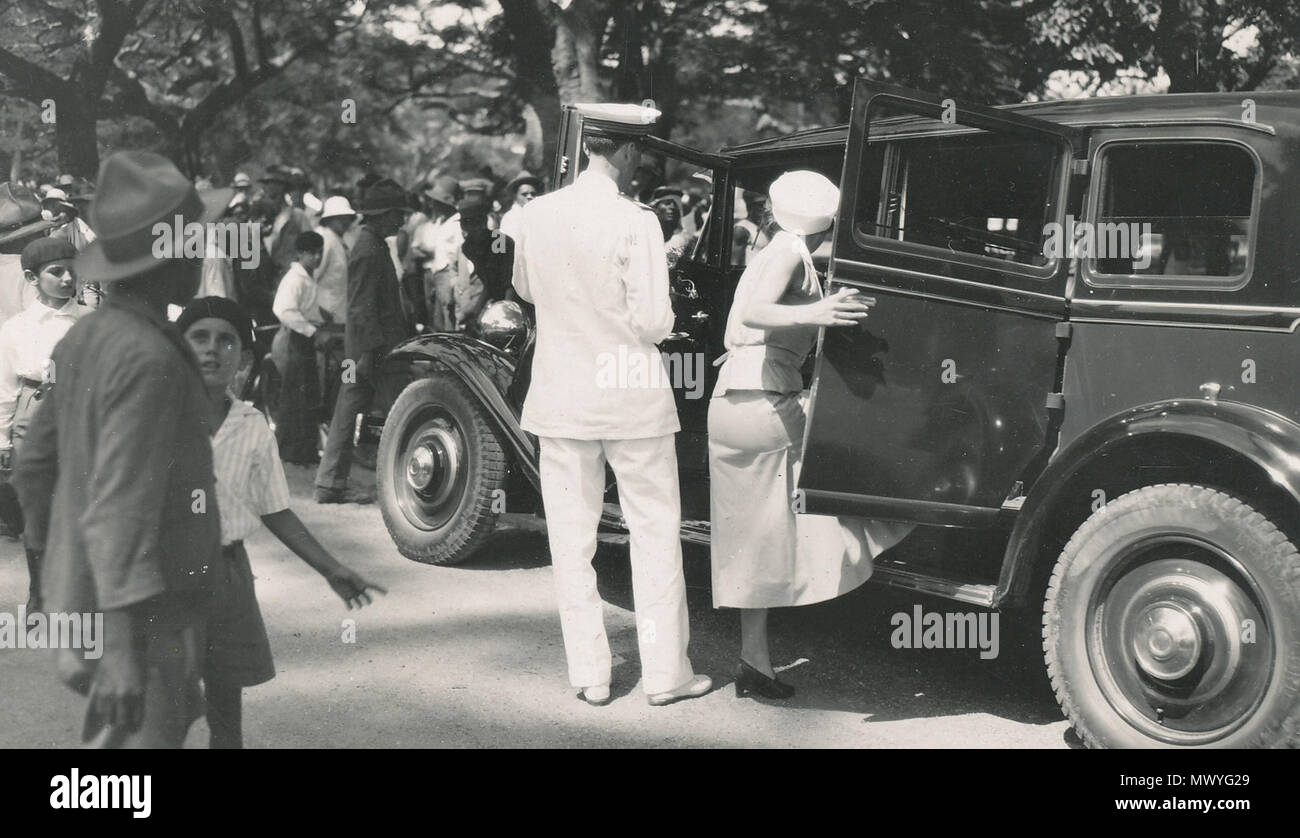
(1185, 210)
(977, 194)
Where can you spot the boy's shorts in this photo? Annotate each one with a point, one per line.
(238, 651)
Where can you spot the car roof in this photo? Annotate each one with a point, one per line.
(1277, 111)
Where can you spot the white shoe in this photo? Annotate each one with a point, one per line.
(694, 688)
(597, 696)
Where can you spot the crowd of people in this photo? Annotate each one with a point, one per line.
(141, 473)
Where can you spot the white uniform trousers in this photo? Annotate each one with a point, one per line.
(573, 488)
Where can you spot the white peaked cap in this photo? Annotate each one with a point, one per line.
(617, 119)
(335, 206)
(804, 202)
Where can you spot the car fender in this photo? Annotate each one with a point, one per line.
(487, 372)
(1267, 439)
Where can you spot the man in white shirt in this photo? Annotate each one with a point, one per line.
(435, 244)
(523, 188)
(337, 218)
(26, 341)
(592, 262)
(294, 350)
(332, 274)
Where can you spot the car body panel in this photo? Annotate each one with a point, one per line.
(1255, 435)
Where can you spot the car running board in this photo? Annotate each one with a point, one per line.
(692, 532)
(969, 592)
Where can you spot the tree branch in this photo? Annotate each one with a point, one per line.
(35, 82)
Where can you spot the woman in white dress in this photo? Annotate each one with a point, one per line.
(763, 554)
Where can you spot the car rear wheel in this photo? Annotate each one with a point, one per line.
(440, 472)
(1172, 618)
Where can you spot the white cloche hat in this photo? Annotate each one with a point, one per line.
(804, 202)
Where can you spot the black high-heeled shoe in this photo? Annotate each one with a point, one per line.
(750, 681)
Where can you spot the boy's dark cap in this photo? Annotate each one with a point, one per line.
(222, 309)
(41, 252)
(309, 242)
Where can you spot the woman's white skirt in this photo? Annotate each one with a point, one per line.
(763, 554)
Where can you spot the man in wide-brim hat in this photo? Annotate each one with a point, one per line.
(116, 476)
(434, 243)
(288, 221)
(375, 324)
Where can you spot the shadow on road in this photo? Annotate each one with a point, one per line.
(839, 655)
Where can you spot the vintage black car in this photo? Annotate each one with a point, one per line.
(1079, 380)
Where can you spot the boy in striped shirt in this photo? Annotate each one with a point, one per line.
(251, 491)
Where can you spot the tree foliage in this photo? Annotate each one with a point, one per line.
(216, 83)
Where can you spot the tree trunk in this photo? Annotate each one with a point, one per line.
(532, 40)
(75, 137)
(576, 54)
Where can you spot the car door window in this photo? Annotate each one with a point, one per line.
(1185, 209)
(981, 195)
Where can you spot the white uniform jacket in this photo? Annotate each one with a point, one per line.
(593, 263)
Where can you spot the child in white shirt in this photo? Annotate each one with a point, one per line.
(26, 342)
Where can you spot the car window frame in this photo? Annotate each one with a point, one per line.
(1137, 282)
(893, 159)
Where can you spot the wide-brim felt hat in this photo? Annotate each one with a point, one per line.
(137, 191)
(804, 202)
(445, 190)
(278, 173)
(475, 184)
(382, 196)
(522, 178)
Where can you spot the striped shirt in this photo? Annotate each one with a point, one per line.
(250, 479)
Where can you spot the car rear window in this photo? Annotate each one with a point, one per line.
(1184, 207)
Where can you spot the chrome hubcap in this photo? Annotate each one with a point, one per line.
(419, 468)
(433, 471)
(1179, 642)
(1167, 642)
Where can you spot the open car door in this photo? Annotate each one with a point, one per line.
(944, 402)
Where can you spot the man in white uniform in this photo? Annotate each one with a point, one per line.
(592, 262)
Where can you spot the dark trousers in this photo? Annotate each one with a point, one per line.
(34, 599)
(295, 428)
(355, 395)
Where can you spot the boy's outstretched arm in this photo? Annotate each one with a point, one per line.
(347, 583)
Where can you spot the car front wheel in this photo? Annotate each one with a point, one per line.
(1172, 618)
(440, 472)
